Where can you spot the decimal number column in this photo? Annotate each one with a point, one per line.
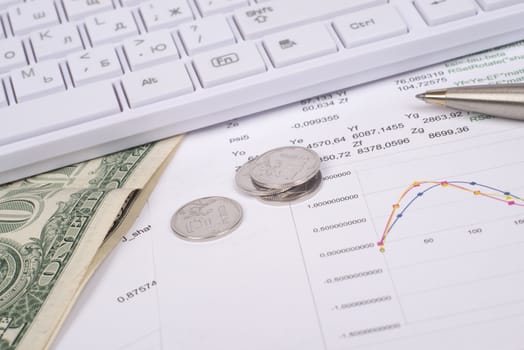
(352, 288)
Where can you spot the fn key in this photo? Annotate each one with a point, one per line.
(228, 64)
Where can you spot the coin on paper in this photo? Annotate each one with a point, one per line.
(285, 167)
(301, 192)
(244, 182)
(207, 218)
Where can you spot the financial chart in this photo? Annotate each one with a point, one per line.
(413, 241)
(418, 254)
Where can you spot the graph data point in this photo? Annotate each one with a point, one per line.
(444, 183)
(511, 203)
(382, 249)
(416, 184)
(396, 206)
(476, 193)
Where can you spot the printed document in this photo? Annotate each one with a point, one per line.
(414, 240)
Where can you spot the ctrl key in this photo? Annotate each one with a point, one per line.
(157, 83)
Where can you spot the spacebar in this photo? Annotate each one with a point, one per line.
(57, 111)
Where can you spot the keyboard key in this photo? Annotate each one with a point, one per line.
(164, 13)
(3, 97)
(56, 41)
(299, 44)
(37, 80)
(437, 12)
(228, 64)
(149, 49)
(156, 83)
(208, 33)
(11, 54)
(6, 3)
(110, 26)
(128, 3)
(78, 9)
(488, 5)
(95, 64)
(369, 25)
(209, 7)
(76, 106)
(32, 15)
(256, 21)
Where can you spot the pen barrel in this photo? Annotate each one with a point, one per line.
(498, 100)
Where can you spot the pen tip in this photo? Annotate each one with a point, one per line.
(436, 97)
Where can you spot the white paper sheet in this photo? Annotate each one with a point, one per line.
(312, 275)
(118, 308)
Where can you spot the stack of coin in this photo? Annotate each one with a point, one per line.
(281, 175)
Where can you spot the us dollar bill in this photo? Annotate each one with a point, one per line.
(56, 228)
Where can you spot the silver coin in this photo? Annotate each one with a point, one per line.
(298, 193)
(244, 182)
(285, 167)
(207, 218)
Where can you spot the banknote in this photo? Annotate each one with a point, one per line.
(56, 228)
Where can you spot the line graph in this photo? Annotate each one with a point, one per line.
(448, 226)
(475, 188)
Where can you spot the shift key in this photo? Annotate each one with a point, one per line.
(272, 16)
(228, 64)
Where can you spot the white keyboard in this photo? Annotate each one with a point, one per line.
(82, 78)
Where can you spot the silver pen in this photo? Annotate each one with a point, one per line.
(506, 101)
